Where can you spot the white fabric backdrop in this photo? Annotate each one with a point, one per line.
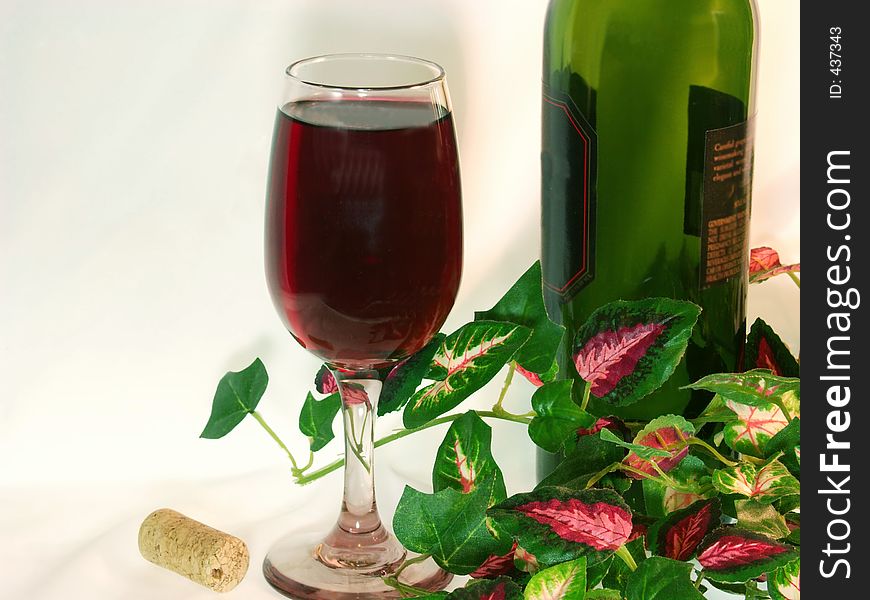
(134, 140)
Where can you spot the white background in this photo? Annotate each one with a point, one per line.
(134, 140)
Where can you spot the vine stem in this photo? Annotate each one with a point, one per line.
(699, 580)
(259, 418)
(795, 278)
(586, 393)
(623, 553)
(699, 442)
(304, 479)
(507, 383)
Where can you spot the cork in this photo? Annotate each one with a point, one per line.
(207, 556)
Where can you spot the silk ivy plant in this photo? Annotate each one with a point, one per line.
(658, 510)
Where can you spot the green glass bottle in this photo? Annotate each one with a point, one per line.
(646, 171)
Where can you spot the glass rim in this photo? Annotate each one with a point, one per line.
(437, 70)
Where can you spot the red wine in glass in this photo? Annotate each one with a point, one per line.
(363, 260)
(364, 234)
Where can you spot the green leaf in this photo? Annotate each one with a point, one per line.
(734, 555)
(662, 579)
(449, 525)
(565, 581)
(466, 361)
(603, 594)
(588, 457)
(753, 388)
(761, 518)
(644, 452)
(596, 572)
(694, 480)
(786, 441)
(404, 379)
(316, 417)
(766, 484)
(558, 416)
(765, 350)
(502, 588)
(465, 457)
(627, 350)
(785, 582)
(237, 395)
(557, 524)
(523, 304)
(617, 576)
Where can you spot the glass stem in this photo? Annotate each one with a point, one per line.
(359, 539)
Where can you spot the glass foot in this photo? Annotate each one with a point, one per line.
(311, 569)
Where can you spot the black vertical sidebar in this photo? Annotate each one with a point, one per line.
(835, 356)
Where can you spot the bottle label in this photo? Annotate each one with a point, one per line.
(727, 184)
(569, 171)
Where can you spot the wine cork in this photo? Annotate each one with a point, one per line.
(207, 556)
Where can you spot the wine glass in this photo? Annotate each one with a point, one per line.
(363, 261)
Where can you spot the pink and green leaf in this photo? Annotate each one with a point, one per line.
(765, 263)
(465, 457)
(403, 380)
(466, 361)
(765, 484)
(324, 381)
(558, 416)
(523, 304)
(525, 561)
(765, 350)
(539, 379)
(565, 581)
(678, 535)
(785, 582)
(754, 388)
(670, 434)
(497, 565)
(558, 524)
(626, 350)
(754, 427)
(735, 555)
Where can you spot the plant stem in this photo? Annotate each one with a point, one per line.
(597, 477)
(507, 383)
(587, 391)
(713, 451)
(275, 437)
(409, 562)
(334, 466)
(751, 590)
(626, 557)
(699, 580)
(795, 278)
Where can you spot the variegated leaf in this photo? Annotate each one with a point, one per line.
(766, 484)
(466, 361)
(735, 555)
(626, 350)
(502, 588)
(558, 524)
(765, 263)
(496, 565)
(765, 350)
(754, 388)
(565, 581)
(758, 517)
(785, 582)
(753, 428)
(678, 535)
(669, 434)
(465, 457)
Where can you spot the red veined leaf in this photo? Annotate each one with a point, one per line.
(488, 589)
(669, 433)
(754, 427)
(600, 525)
(764, 263)
(766, 484)
(765, 350)
(465, 457)
(734, 555)
(626, 350)
(785, 582)
(525, 561)
(565, 581)
(637, 530)
(614, 424)
(558, 524)
(353, 394)
(534, 378)
(496, 565)
(324, 381)
(679, 534)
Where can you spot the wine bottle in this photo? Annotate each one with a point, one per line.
(646, 172)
